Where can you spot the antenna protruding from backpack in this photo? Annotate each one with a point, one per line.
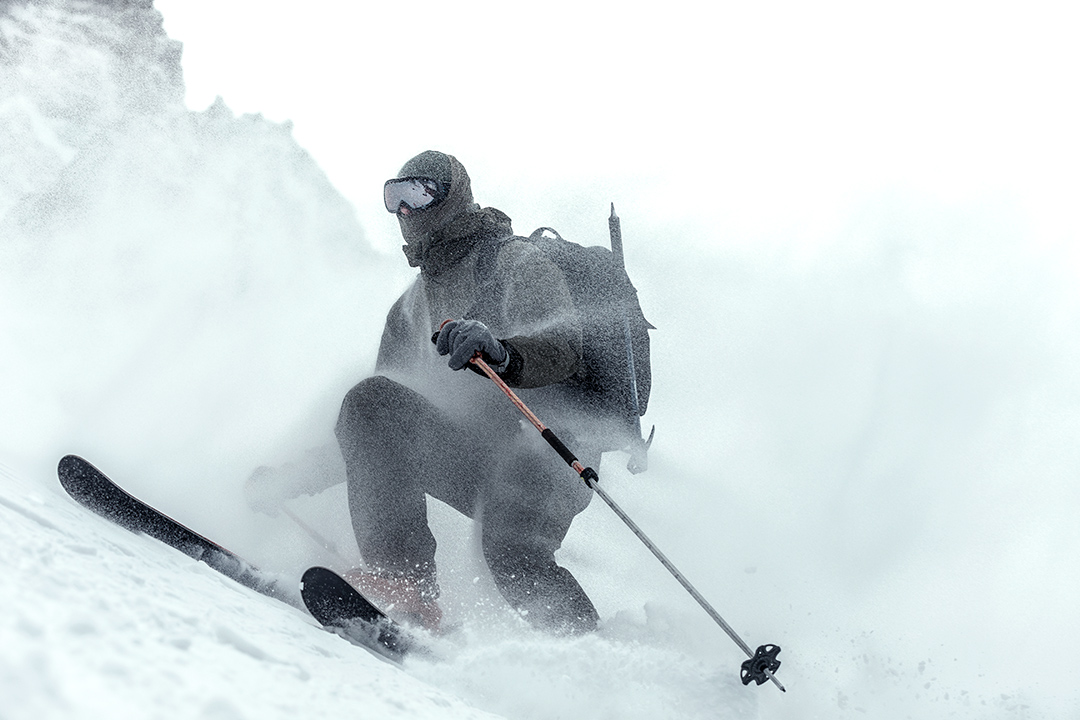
(615, 230)
(639, 446)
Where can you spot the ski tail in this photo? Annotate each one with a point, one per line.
(342, 608)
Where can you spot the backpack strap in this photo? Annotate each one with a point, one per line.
(538, 234)
(488, 288)
(488, 257)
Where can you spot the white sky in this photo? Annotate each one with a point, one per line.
(767, 117)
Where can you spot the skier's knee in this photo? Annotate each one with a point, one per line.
(370, 392)
(365, 403)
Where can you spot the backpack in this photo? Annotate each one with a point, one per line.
(610, 315)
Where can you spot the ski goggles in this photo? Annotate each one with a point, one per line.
(415, 193)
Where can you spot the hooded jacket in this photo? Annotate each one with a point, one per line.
(526, 303)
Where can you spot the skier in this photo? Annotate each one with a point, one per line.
(417, 427)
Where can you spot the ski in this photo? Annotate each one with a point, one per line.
(342, 609)
(92, 489)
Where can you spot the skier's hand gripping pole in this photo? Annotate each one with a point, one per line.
(763, 663)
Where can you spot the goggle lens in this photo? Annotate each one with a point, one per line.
(414, 193)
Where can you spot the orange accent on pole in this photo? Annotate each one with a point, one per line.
(486, 369)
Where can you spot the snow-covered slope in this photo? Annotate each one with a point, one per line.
(865, 452)
(100, 623)
(184, 298)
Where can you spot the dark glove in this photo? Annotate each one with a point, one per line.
(461, 339)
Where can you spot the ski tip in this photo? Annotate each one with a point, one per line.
(69, 465)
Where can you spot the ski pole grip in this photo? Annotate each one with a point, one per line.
(435, 335)
(555, 442)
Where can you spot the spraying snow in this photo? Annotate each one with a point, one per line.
(866, 452)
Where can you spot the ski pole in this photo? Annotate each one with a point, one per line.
(312, 533)
(763, 663)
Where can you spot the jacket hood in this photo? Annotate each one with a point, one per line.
(422, 229)
(438, 238)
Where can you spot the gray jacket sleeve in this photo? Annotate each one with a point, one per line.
(397, 348)
(544, 329)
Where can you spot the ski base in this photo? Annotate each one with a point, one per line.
(328, 597)
(341, 608)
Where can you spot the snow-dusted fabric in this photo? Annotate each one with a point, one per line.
(420, 428)
(437, 237)
(399, 447)
(532, 311)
